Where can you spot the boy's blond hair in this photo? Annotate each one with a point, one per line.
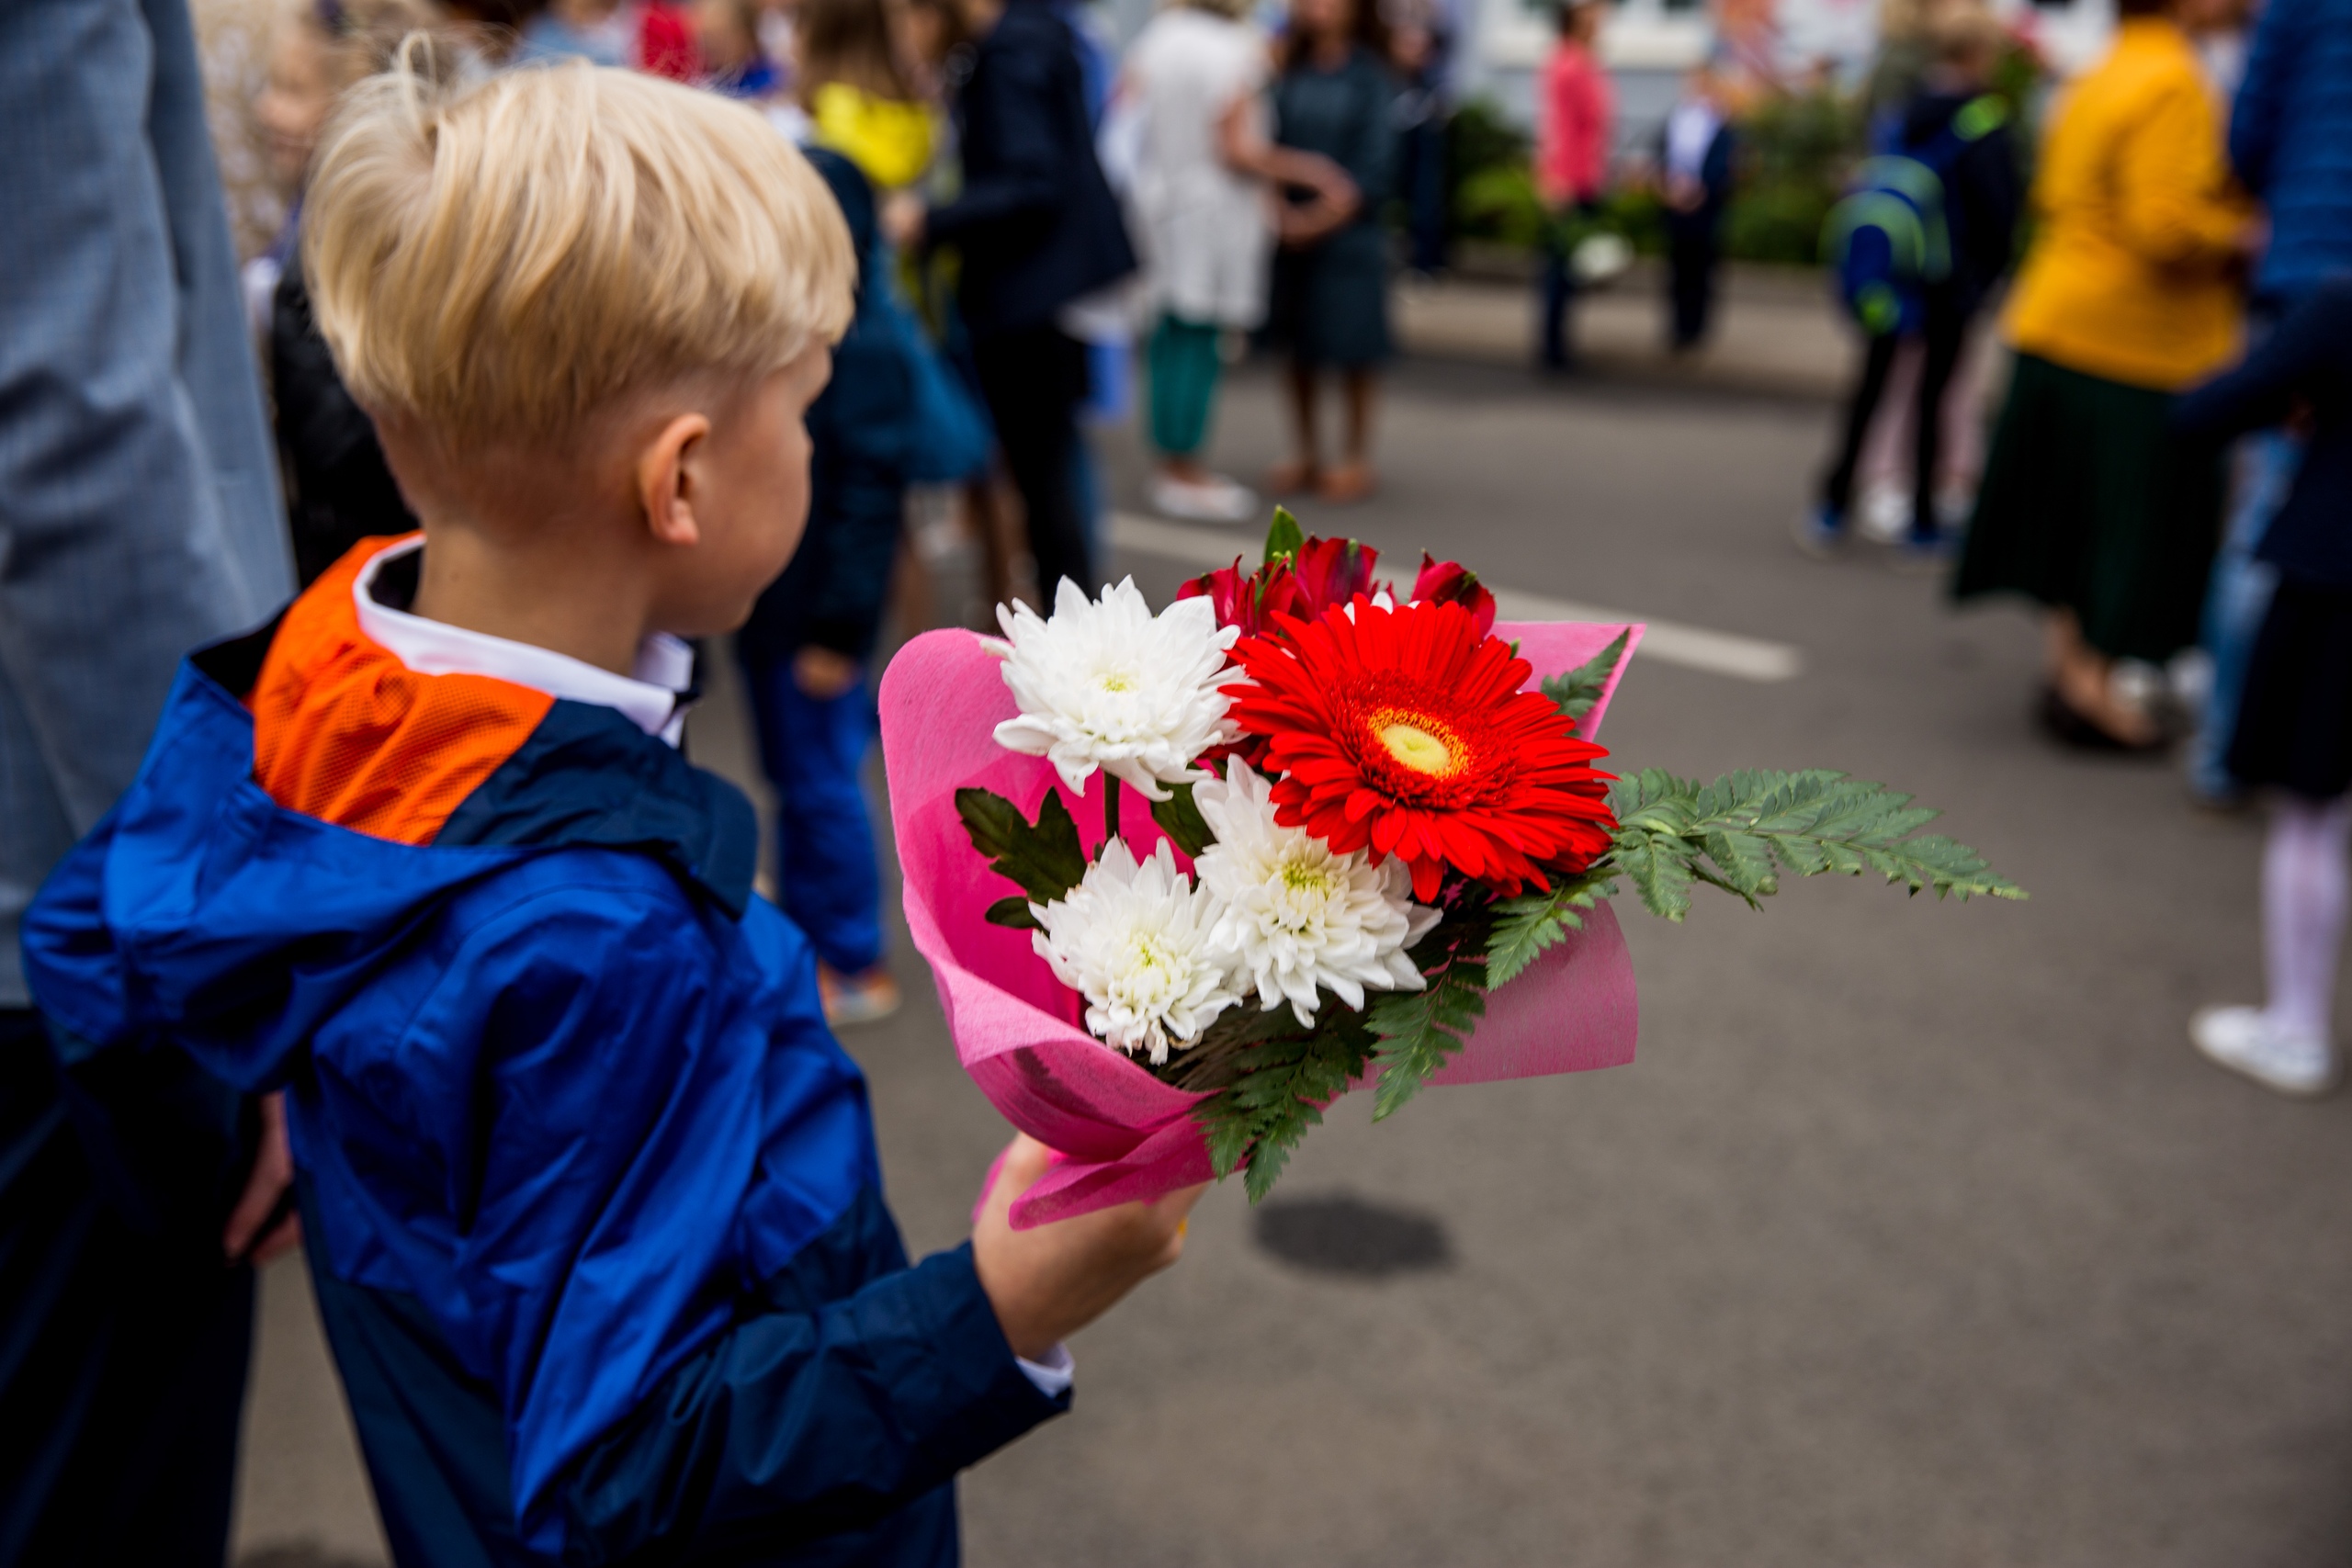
(501, 260)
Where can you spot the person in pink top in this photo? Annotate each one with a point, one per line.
(1575, 115)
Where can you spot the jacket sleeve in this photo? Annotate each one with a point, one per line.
(2254, 122)
(655, 1137)
(796, 1424)
(2312, 344)
(1026, 181)
(2169, 180)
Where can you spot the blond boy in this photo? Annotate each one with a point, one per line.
(593, 1205)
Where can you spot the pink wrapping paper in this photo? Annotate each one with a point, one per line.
(1124, 1136)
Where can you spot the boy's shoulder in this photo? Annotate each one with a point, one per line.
(344, 732)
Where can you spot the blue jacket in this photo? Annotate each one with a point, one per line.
(2307, 360)
(1036, 223)
(2290, 137)
(862, 431)
(592, 1196)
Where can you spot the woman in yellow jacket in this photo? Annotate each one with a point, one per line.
(861, 100)
(2129, 293)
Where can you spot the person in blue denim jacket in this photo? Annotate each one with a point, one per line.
(138, 516)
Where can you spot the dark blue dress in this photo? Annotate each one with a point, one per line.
(1330, 300)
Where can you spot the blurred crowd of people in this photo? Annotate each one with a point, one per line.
(2183, 285)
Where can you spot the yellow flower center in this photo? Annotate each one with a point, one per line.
(1118, 681)
(1417, 748)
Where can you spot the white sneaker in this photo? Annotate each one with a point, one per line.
(2245, 1040)
(1884, 515)
(1213, 500)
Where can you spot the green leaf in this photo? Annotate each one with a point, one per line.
(1739, 832)
(1179, 818)
(1284, 539)
(1012, 911)
(1579, 689)
(1042, 858)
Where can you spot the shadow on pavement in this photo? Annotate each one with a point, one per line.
(1344, 1234)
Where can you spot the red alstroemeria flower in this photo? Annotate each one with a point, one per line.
(1406, 730)
(1330, 572)
(1451, 583)
(1248, 600)
(1324, 573)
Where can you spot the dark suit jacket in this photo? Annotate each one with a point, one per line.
(1036, 223)
(1715, 175)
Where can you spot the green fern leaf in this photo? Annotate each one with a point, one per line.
(1734, 831)
(1525, 926)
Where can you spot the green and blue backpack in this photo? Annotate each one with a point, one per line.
(1890, 237)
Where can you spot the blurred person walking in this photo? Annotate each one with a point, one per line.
(2292, 734)
(1950, 151)
(233, 39)
(1695, 170)
(340, 490)
(1421, 47)
(1575, 124)
(2127, 295)
(1038, 230)
(138, 516)
(654, 36)
(807, 646)
(1194, 80)
(1333, 96)
(2289, 133)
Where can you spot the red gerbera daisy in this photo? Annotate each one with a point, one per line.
(1406, 730)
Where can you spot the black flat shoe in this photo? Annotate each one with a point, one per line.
(2076, 730)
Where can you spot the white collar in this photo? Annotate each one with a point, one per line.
(665, 664)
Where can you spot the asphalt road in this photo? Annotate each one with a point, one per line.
(1916, 1235)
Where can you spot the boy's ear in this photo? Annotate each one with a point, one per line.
(669, 484)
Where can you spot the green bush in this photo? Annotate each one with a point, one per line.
(1797, 151)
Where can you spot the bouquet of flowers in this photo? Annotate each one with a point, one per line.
(1345, 835)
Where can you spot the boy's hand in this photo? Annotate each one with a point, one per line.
(821, 673)
(901, 219)
(1048, 1283)
(263, 1224)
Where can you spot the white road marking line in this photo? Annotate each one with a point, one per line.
(1668, 642)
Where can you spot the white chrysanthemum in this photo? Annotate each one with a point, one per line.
(1108, 684)
(1133, 940)
(1292, 915)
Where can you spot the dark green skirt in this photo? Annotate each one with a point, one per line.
(2090, 503)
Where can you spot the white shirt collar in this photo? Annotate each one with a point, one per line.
(665, 664)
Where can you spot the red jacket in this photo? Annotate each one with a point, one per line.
(1574, 107)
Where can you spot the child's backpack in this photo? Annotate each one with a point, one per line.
(1890, 237)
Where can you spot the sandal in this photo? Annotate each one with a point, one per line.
(2071, 726)
(1347, 484)
(1293, 478)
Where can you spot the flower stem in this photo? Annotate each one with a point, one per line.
(1110, 809)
